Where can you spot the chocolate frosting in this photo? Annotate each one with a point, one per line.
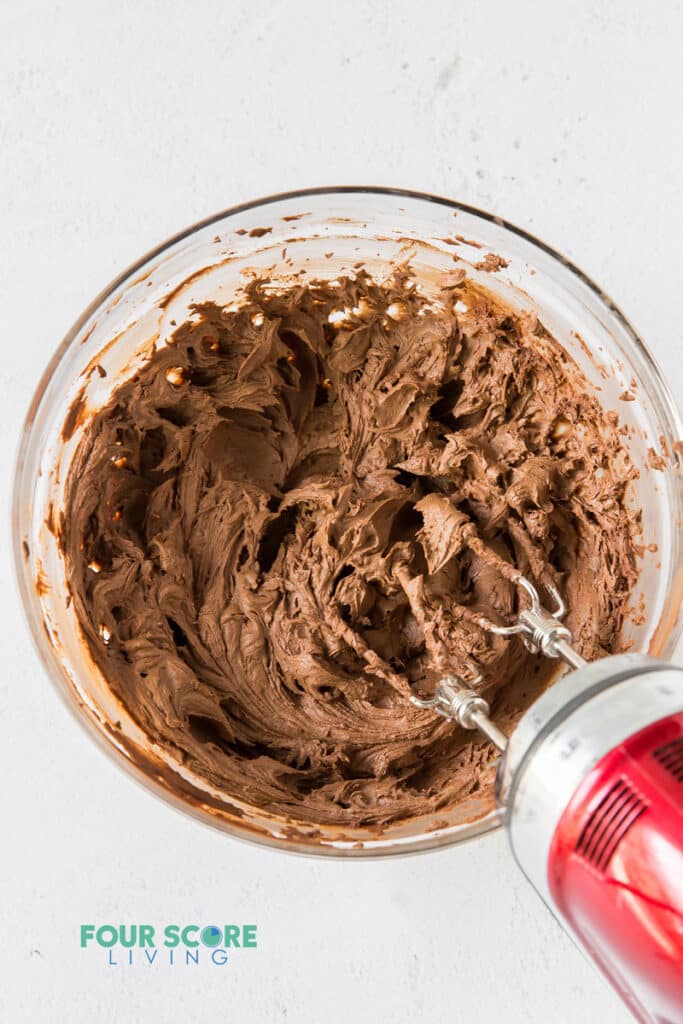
(291, 519)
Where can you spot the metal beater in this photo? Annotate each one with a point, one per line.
(543, 632)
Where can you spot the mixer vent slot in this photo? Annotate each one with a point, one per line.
(670, 756)
(618, 810)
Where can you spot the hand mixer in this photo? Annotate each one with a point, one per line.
(591, 786)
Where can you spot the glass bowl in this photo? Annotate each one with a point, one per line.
(322, 233)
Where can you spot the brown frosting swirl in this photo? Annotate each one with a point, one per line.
(291, 518)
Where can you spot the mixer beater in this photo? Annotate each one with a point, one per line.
(542, 631)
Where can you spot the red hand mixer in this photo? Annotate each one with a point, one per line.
(591, 787)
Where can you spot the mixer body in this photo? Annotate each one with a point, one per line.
(592, 783)
(615, 868)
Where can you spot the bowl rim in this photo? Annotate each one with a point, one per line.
(371, 849)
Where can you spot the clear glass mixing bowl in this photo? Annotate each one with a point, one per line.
(323, 233)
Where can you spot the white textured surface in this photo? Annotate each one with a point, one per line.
(121, 123)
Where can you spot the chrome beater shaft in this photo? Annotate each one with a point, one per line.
(453, 699)
(542, 630)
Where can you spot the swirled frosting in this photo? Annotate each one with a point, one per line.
(294, 516)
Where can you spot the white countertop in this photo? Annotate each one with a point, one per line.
(121, 123)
